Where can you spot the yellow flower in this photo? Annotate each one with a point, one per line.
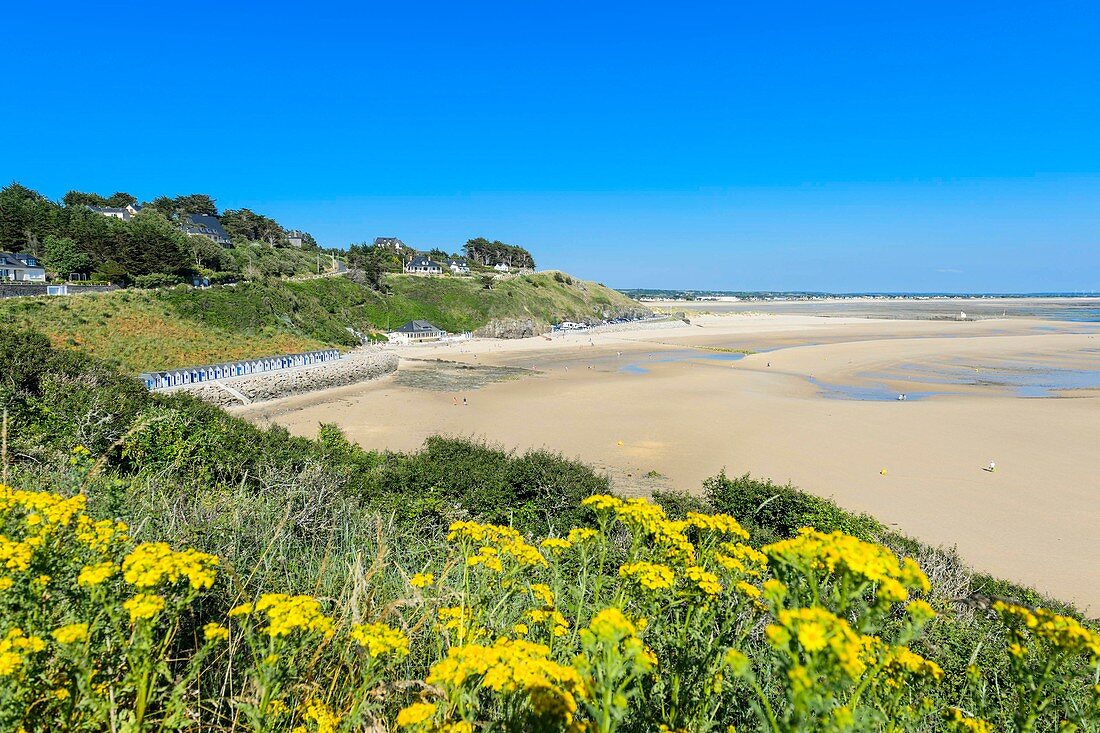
(704, 580)
(13, 650)
(143, 606)
(520, 629)
(580, 535)
(842, 555)
(379, 639)
(422, 580)
(602, 502)
(611, 625)
(287, 614)
(920, 611)
(542, 592)
(214, 631)
(324, 719)
(811, 636)
(737, 662)
(95, 574)
(415, 714)
(5, 583)
(70, 634)
(152, 563)
(15, 555)
(717, 523)
(555, 545)
(651, 576)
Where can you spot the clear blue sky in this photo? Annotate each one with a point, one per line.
(828, 146)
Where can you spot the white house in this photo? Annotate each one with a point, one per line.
(458, 267)
(415, 332)
(21, 268)
(389, 243)
(127, 212)
(294, 237)
(422, 265)
(501, 267)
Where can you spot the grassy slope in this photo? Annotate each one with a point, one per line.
(143, 330)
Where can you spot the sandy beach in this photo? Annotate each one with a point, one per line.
(814, 403)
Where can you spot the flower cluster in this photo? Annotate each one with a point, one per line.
(287, 614)
(651, 576)
(14, 648)
(153, 563)
(851, 560)
(378, 639)
(495, 542)
(1060, 632)
(508, 667)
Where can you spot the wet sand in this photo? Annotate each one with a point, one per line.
(815, 404)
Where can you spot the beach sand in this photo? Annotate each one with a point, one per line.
(668, 407)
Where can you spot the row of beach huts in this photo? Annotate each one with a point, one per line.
(210, 372)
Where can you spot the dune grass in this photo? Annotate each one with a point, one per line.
(140, 330)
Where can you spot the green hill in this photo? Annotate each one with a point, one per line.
(141, 330)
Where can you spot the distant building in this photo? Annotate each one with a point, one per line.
(501, 267)
(126, 213)
(294, 237)
(415, 332)
(201, 225)
(21, 268)
(423, 265)
(389, 243)
(458, 267)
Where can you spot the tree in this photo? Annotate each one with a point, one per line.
(63, 256)
(79, 198)
(174, 209)
(120, 200)
(245, 225)
(197, 203)
(488, 253)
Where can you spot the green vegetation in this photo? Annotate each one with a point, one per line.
(754, 629)
(73, 241)
(146, 330)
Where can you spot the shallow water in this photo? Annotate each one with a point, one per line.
(1074, 310)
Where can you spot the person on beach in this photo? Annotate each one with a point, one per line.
(464, 402)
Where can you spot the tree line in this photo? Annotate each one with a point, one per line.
(487, 253)
(72, 240)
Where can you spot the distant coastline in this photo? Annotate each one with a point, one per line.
(645, 294)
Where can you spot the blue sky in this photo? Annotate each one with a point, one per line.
(841, 147)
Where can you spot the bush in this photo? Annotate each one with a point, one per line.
(774, 511)
(156, 280)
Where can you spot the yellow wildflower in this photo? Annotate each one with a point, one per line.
(151, 563)
(422, 580)
(214, 631)
(143, 606)
(379, 639)
(415, 714)
(70, 634)
(95, 574)
(651, 576)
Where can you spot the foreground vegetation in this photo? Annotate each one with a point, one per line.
(465, 588)
(146, 330)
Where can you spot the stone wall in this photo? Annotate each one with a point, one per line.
(355, 367)
(10, 290)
